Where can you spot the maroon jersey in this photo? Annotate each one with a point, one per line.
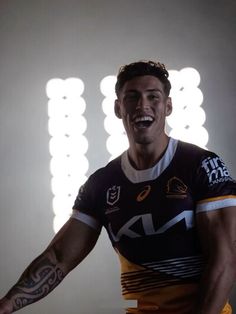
(150, 219)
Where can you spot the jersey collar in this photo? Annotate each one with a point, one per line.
(137, 176)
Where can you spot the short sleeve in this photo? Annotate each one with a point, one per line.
(85, 205)
(215, 188)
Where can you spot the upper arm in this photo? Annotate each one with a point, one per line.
(217, 231)
(73, 243)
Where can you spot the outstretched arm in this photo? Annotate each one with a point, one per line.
(69, 247)
(217, 230)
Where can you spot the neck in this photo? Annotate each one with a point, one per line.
(146, 156)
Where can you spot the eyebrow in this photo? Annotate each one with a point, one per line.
(154, 90)
(147, 90)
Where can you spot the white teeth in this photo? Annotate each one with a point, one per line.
(144, 118)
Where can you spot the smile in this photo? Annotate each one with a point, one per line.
(143, 121)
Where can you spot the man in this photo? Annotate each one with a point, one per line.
(169, 209)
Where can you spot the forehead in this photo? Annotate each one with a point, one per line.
(143, 83)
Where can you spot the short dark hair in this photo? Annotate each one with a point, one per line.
(140, 68)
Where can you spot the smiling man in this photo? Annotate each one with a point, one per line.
(143, 104)
(169, 209)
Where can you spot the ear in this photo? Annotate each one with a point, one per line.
(117, 109)
(168, 106)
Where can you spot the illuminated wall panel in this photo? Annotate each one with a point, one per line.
(67, 145)
(117, 141)
(188, 117)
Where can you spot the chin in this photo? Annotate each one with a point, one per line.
(143, 141)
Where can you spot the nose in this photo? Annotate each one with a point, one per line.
(142, 103)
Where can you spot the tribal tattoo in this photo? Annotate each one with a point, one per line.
(41, 277)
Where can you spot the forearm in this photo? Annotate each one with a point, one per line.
(39, 279)
(217, 282)
(68, 248)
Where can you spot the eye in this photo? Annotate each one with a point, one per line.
(131, 97)
(154, 97)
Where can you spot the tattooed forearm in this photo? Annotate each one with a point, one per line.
(41, 277)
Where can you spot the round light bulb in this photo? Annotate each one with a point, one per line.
(107, 86)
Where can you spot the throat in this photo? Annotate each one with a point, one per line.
(143, 161)
(145, 157)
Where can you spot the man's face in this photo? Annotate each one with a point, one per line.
(143, 106)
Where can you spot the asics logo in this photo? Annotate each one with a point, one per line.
(144, 193)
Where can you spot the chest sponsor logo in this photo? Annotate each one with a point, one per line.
(144, 193)
(148, 225)
(176, 188)
(113, 195)
(216, 170)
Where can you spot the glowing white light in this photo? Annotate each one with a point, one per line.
(113, 125)
(59, 221)
(195, 116)
(117, 140)
(174, 77)
(192, 96)
(72, 166)
(188, 116)
(65, 185)
(74, 87)
(195, 135)
(116, 144)
(56, 107)
(72, 145)
(59, 88)
(61, 185)
(189, 77)
(199, 136)
(55, 88)
(67, 126)
(62, 204)
(67, 145)
(108, 106)
(66, 107)
(107, 86)
(177, 118)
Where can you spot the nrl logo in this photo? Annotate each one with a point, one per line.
(113, 195)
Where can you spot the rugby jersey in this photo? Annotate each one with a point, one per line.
(149, 216)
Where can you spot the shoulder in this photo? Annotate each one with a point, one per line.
(192, 149)
(106, 173)
(200, 163)
(93, 189)
(194, 154)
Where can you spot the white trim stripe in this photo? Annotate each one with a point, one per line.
(88, 220)
(213, 205)
(137, 176)
(182, 267)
